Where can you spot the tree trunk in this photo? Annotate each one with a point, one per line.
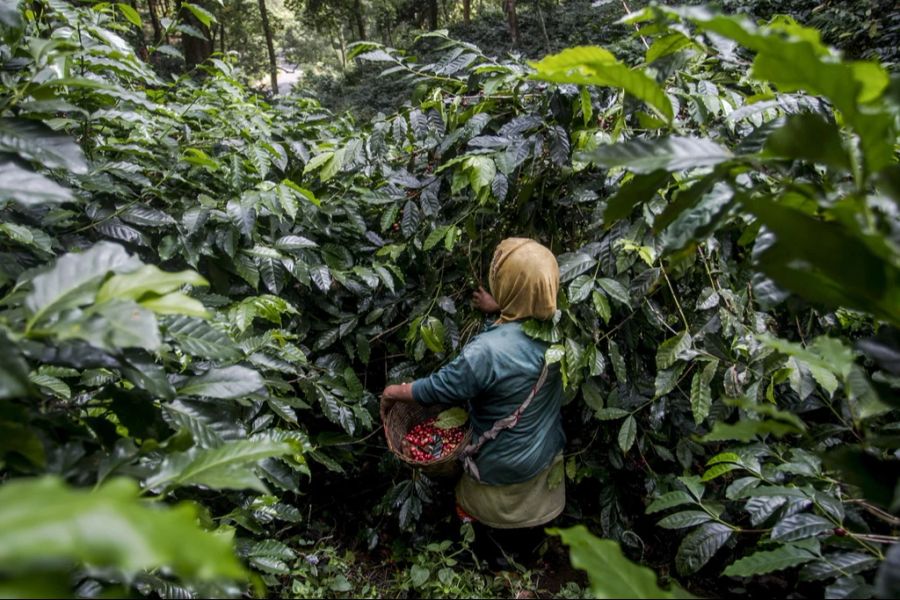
(154, 21)
(360, 19)
(537, 4)
(513, 21)
(467, 12)
(141, 38)
(432, 14)
(273, 63)
(342, 45)
(195, 50)
(222, 37)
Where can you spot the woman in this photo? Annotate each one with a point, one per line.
(506, 485)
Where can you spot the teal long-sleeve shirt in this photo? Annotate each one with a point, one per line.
(493, 375)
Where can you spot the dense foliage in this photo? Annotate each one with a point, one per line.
(203, 291)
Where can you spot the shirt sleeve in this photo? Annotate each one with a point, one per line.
(461, 380)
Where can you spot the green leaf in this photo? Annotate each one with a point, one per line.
(149, 280)
(666, 45)
(35, 141)
(687, 518)
(668, 154)
(321, 276)
(611, 413)
(887, 580)
(593, 65)
(225, 383)
(418, 575)
(746, 431)
(573, 264)
(587, 109)
(482, 171)
(808, 136)
(839, 563)
(718, 470)
(23, 440)
(176, 303)
(639, 189)
(114, 325)
(199, 338)
(615, 290)
(11, 20)
(601, 306)
(44, 521)
(203, 15)
(618, 362)
(669, 500)
(627, 433)
(580, 288)
(435, 237)
(229, 466)
(74, 278)
(610, 573)
(826, 263)
(53, 384)
(700, 545)
(672, 350)
(667, 380)
(433, 333)
(29, 188)
(129, 13)
(800, 527)
(694, 223)
(701, 395)
(452, 417)
(768, 561)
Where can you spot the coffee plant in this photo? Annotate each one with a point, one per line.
(204, 289)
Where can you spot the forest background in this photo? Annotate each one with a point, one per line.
(206, 283)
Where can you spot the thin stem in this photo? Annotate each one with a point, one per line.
(874, 510)
(636, 28)
(687, 326)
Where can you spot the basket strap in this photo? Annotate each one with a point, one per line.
(468, 453)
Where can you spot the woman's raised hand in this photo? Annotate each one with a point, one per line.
(484, 302)
(401, 392)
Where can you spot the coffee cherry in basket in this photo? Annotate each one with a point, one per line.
(426, 442)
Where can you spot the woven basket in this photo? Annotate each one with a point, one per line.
(402, 417)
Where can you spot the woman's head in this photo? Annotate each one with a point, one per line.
(524, 279)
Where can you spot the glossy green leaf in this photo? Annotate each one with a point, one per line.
(592, 65)
(672, 350)
(667, 154)
(768, 561)
(146, 281)
(687, 518)
(37, 142)
(75, 277)
(229, 466)
(129, 13)
(701, 394)
(799, 527)
(26, 187)
(809, 137)
(610, 573)
(226, 383)
(45, 521)
(452, 417)
(627, 433)
(700, 545)
(669, 500)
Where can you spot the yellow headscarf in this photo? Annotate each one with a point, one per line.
(524, 279)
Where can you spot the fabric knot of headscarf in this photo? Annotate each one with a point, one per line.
(524, 280)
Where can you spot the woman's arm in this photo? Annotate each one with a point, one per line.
(392, 394)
